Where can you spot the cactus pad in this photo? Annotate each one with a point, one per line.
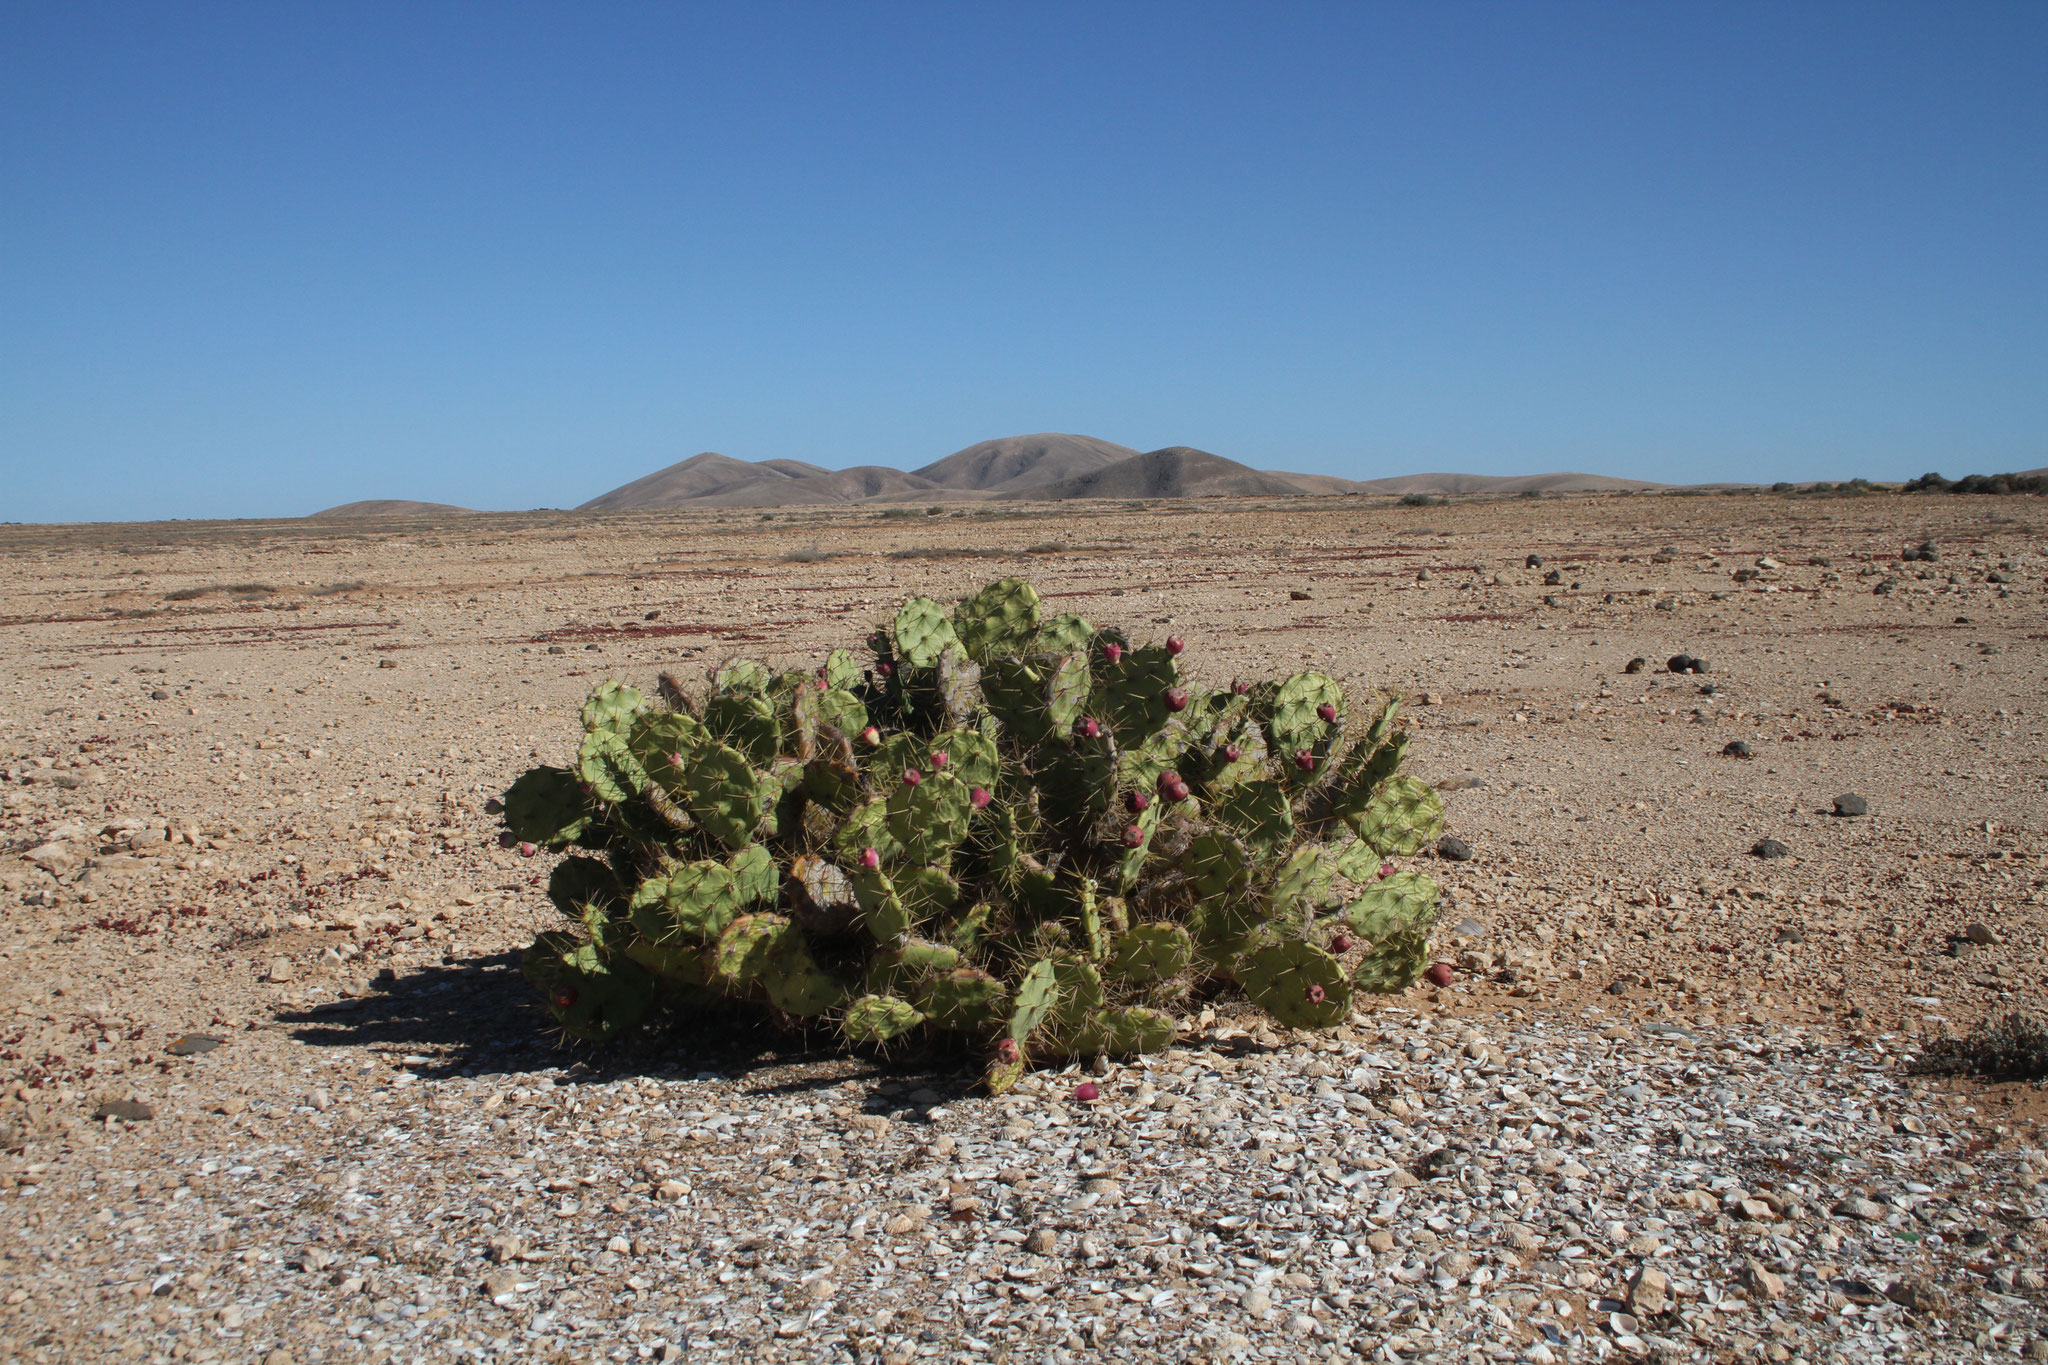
(1150, 952)
(878, 1020)
(1402, 817)
(1001, 618)
(547, 806)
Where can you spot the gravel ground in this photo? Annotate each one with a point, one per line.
(1661, 1112)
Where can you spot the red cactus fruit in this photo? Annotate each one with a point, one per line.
(527, 850)
(1176, 699)
(1240, 687)
(1168, 779)
(1386, 869)
(1087, 1092)
(911, 777)
(1341, 943)
(1231, 753)
(1315, 993)
(1440, 974)
(1306, 761)
(871, 860)
(1133, 837)
(675, 760)
(1113, 652)
(940, 758)
(1007, 1051)
(1178, 791)
(1135, 802)
(978, 798)
(1089, 727)
(1328, 712)
(885, 668)
(1174, 644)
(563, 997)
(871, 736)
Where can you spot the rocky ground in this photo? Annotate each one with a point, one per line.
(273, 1090)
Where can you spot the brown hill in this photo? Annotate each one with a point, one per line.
(1017, 462)
(701, 478)
(390, 507)
(1499, 483)
(1175, 472)
(714, 480)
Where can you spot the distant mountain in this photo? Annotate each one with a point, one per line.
(714, 480)
(390, 507)
(1497, 483)
(1175, 472)
(1017, 462)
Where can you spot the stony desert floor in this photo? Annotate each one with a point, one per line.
(274, 1090)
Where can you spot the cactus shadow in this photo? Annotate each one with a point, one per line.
(479, 1016)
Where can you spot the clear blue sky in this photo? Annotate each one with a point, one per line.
(258, 259)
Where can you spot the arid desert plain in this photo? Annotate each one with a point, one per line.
(274, 1089)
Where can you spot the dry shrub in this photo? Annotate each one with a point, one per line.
(2014, 1048)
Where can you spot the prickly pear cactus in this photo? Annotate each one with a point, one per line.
(1018, 832)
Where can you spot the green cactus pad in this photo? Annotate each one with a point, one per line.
(755, 876)
(1306, 882)
(930, 819)
(1078, 994)
(867, 827)
(547, 806)
(1404, 816)
(1032, 1002)
(1395, 965)
(697, 901)
(842, 670)
(927, 892)
(657, 737)
(577, 883)
(590, 997)
(878, 1020)
(1063, 635)
(1132, 692)
(611, 708)
(1294, 724)
(741, 676)
(922, 632)
(1404, 903)
(959, 685)
(1259, 813)
(1361, 773)
(1129, 1032)
(746, 721)
(971, 757)
(1356, 861)
(1067, 693)
(1297, 983)
(796, 984)
(678, 964)
(744, 951)
(726, 795)
(1000, 619)
(1149, 953)
(608, 768)
(967, 929)
(964, 1000)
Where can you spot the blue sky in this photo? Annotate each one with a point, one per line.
(258, 259)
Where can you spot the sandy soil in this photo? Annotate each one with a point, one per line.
(246, 767)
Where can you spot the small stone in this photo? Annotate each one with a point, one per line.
(1042, 1242)
(1681, 663)
(1649, 1292)
(1617, 988)
(504, 1287)
(1453, 849)
(1849, 803)
(1297, 595)
(1770, 848)
(194, 1044)
(1381, 1242)
(131, 1111)
(280, 1356)
(1856, 1206)
(1738, 748)
(1916, 1295)
(1980, 934)
(1761, 1282)
(280, 969)
(159, 695)
(1257, 1302)
(1636, 665)
(321, 1101)
(1533, 562)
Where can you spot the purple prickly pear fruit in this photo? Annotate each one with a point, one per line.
(1315, 993)
(1439, 974)
(1007, 1051)
(527, 850)
(675, 760)
(1167, 780)
(871, 860)
(871, 736)
(1232, 753)
(911, 777)
(1306, 761)
(1174, 644)
(1178, 791)
(1135, 802)
(1176, 699)
(1328, 712)
(1239, 688)
(563, 997)
(1386, 869)
(1133, 837)
(885, 668)
(940, 758)
(1087, 1092)
(1089, 727)
(1341, 943)
(978, 798)
(1113, 652)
